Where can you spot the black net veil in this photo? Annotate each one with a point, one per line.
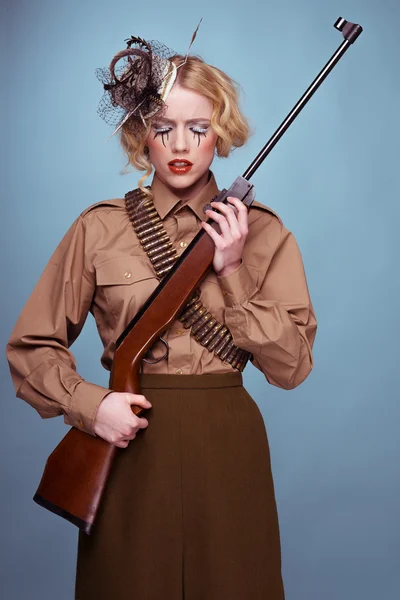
(133, 84)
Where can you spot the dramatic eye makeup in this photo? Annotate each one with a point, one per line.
(199, 127)
(199, 131)
(163, 131)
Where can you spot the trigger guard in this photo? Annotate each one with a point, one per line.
(151, 355)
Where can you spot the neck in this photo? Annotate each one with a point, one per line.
(187, 193)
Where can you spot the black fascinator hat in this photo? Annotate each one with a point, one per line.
(136, 84)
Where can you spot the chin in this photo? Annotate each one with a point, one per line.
(182, 181)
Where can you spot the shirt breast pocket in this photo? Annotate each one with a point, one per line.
(126, 282)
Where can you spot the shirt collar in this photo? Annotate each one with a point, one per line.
(165, 200)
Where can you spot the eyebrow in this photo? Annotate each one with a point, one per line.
(165, 121)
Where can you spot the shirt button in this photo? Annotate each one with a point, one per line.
(127, 274)
(183, 244)
(178, 372)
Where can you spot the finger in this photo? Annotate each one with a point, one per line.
(239, 205)
(230, 213)
(132, 427)
(230, 207)
(121, 443)
(129, 438)
(222, 222)
(138, 399)
(242, 214)
(142, 424)
(218, 240)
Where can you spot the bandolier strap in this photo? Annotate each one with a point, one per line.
(155, 241)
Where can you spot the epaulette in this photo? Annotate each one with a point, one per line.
(116, 203)
(256, 204)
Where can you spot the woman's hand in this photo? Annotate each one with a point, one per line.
(234, 229)
(115, 422)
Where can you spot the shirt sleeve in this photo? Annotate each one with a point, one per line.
(273, 317)
(42, 368)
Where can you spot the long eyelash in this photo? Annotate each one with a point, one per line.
(199, 131)
(162, 132)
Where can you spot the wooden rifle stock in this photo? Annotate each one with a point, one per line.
(76, 472)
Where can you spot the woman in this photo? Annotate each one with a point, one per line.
(189, 511)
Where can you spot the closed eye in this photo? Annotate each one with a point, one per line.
(163, 131)
(200, 130)
(158, 130)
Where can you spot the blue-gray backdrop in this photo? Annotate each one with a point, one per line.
(334, 181)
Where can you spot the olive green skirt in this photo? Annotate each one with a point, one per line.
(189, 512)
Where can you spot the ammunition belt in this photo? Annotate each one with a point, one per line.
(155, 241)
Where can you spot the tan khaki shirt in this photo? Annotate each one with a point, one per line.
(100, 267)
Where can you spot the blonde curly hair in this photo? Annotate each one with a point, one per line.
(227, 120)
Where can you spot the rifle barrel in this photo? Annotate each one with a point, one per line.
(350, 34)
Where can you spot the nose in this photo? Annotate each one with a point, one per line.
(180, 141)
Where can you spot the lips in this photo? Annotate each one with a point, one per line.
(180, 166)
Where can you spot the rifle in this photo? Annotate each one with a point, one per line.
(76, 472)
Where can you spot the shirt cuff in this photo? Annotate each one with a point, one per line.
(238, 286)
(86, 400)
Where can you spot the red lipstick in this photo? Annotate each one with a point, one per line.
(180, 166)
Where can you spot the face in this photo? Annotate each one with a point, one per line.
(181, 143)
